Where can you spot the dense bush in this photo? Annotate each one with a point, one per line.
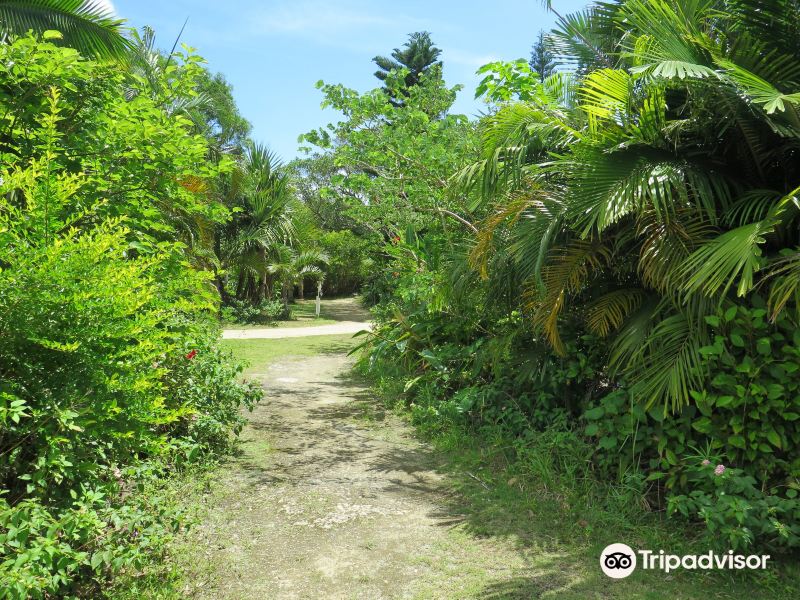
(110, 371)
(486, 374)
(245, 312)
(628, 266)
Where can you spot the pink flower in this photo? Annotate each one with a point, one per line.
(719, 469)
(191, 355)
(706, 462)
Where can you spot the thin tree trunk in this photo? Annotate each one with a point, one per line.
(240, 286)
(262, 287)
(224, 296)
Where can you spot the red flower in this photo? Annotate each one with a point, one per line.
(191, 355)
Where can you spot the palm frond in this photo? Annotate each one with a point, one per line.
(85, 25)
(609, 311)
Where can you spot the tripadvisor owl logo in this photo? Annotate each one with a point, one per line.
(618, 561)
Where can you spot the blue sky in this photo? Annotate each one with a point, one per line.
(273, 52)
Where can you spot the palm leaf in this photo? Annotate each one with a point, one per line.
(85, 25)
(609, 311)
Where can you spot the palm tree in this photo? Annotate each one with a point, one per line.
(86, 25)
(289, 268)
(669, 189)
(149, 71)
(418, 56)
(262, 199)
(309, 264)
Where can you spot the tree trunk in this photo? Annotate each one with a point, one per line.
(262, 287)
(300, 284)
(240, 286)
(224, 296)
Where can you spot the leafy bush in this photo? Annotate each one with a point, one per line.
(245, 312)
(110, 371)
(482, 372)
(348, 264)
(747, 416)
(736, 511)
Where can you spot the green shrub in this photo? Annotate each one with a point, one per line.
(748, 416)
(245, 313)
(348, 263)
(110, 371)
(736, 511)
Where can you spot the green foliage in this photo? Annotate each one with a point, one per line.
(85, 25)
(418, 57)
(736, 511)
(605, 201)
(243, 312)
(542, 60)
(349, 263)
(745, 414)
(377, 144)
(751, 407)
(506, 81)
(110, 372)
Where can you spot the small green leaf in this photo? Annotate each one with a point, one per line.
(703, 425)
(608, 442)
(671, 458)
(736, 441)
(730, 314)
(774, 438)
(594, 413)
(723, 401)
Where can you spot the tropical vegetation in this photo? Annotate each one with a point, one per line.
(598, 280)
(615, 254)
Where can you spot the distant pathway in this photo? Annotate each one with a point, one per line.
(273, 333)
(350, 318)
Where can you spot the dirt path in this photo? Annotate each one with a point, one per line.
(343, 327)
(333, 498)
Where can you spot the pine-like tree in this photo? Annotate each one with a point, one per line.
(542, 60)
(419, 55)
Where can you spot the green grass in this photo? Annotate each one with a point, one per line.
(259, 354)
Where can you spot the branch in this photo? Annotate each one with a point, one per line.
(449, 213)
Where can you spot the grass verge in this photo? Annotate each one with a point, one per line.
(259, 354)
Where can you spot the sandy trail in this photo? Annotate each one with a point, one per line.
(273, 333)
(333, 498)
